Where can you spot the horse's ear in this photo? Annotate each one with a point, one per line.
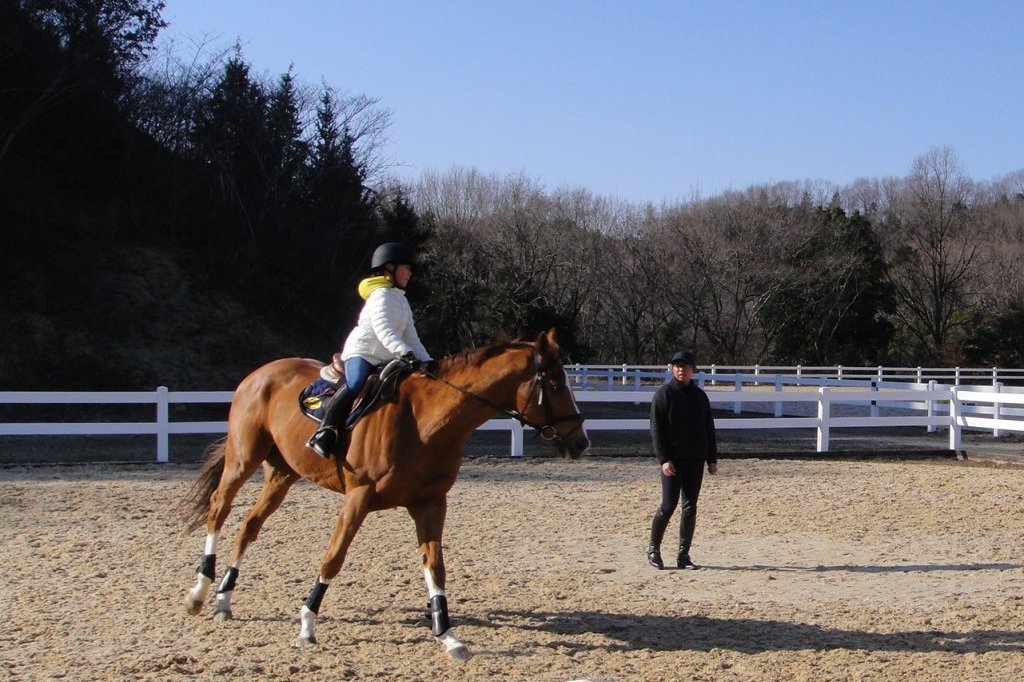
(547, 342)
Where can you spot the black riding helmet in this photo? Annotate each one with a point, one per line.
(391, 252)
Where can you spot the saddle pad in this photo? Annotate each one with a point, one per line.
(313, 399)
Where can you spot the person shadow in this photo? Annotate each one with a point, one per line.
(629, 631)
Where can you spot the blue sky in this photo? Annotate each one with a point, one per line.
(654, 101)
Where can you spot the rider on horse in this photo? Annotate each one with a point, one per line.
(385, 332)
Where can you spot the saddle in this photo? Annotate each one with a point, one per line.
(380, 387)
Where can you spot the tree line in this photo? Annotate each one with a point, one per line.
(918, 270)
(187, 208)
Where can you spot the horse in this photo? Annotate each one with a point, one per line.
(405, 454)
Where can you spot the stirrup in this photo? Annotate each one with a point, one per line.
(316, 441)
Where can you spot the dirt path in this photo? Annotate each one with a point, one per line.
(814, 570)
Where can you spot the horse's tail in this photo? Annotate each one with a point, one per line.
(196, 504)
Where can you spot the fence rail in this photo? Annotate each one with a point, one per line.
(829, 405)
(639, 375)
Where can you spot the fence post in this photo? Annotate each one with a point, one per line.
(757, 374)
(713, 382)
(919, 374)
(880, 378)
(930, 403)
(738, 386)
(517, 439)
(162, 421)
(956, 376)
(954, 418)
(824, 408)
(625, 375)
(778, 389)
(996, 410)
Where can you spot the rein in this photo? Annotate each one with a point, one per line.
(546, 430)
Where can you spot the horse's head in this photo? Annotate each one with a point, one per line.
(546, 402)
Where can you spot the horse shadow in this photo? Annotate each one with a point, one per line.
(742, 635)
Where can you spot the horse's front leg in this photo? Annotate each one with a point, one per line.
(429, 518)
(353, 512)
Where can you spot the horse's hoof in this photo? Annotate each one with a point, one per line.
(460, 653)
(192, 606)
(222, 615)
(305, 641)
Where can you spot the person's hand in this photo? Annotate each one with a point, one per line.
(668, 468)
(408, 358)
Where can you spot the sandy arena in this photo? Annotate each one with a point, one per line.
(813, 570)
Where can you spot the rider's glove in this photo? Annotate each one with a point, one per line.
(409, 358)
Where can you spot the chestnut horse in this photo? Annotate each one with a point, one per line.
(406, 454)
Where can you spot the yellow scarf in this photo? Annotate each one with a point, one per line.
(371, 284)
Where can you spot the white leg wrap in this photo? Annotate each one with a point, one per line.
(432, 588)
(450, 641)
(307, 629)
(211, 543)
(223, 602)
(453, 646)
(202, 588)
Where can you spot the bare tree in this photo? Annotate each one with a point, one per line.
(1001, 242)
(934, 252)
(733, 248)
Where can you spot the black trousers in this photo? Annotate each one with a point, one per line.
(684, 487)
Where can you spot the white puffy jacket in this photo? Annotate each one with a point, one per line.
(385, 329)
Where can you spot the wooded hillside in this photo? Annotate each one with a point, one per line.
(179, 222)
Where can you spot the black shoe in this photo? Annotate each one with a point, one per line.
(684, 561)
(654, 557)
(323, 441)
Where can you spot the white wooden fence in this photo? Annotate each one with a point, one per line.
(812, 402)
(637, 375)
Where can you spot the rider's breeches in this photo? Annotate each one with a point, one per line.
(684, 486)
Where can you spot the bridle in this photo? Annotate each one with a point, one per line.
(547, 430)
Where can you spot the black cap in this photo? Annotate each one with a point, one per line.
(684, 357)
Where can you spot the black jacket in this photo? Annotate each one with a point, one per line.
(682, 427)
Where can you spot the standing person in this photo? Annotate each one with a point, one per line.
(385, 331)
(683, 432)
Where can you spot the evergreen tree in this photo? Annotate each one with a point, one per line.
(228, 143)
(836, 305)
(339, 225)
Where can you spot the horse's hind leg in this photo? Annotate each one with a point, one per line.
(276, 484)
(429, 518)
(236, 472)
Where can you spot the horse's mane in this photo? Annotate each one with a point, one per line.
(477, 356)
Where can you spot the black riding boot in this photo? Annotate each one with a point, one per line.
(325, 439)
(687, 524)
(658, 524)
